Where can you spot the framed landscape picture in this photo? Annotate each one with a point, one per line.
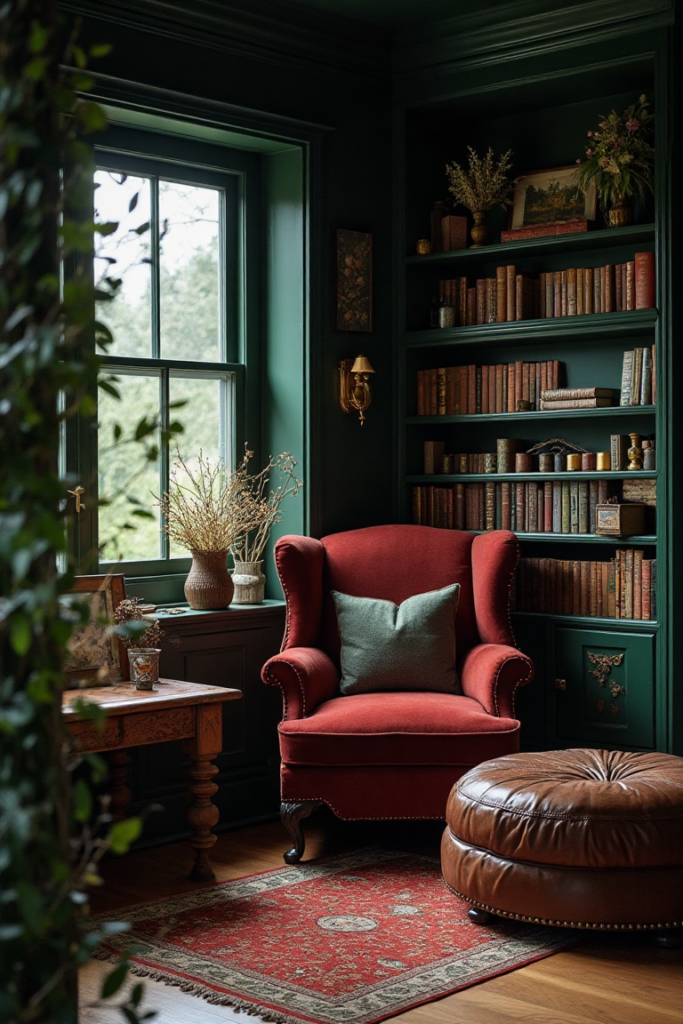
(354, 280)
(550, 197)
(95, 655)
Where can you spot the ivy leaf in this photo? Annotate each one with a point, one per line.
(113, 982)
(82, 800)
(123, 833)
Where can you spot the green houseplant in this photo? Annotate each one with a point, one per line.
(620, 161)
(483, 185)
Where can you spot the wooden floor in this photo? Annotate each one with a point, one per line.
(608, 979)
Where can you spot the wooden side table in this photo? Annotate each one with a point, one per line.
(174, 710)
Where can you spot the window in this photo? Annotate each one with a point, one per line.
(175, 321)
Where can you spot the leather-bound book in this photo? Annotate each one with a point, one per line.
(588, 293)
(510, 301)
(501, 295)
(645, 280)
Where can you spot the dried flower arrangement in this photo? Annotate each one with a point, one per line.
(222, 511)
(619, 156)
(129, 618)
(250, 545)
(211, 508)
(484, 184)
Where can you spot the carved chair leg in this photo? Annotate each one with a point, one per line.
(292, 815)
(479, 916)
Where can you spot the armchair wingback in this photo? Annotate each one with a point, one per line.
(391, 755)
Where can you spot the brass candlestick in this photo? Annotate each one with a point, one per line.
(635, 453)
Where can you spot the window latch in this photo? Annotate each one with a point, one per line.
(76, 494)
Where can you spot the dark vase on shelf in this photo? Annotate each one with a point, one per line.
(479, 232)
(621, 213)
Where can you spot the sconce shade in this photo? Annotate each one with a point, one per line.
(362, 365)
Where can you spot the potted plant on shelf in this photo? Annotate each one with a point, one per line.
(248, 550)
(483, 185)
(620, 161)
(206, 510)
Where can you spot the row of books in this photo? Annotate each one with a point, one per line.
(514, 295)
(638, 377)
(505, 459)
(623, 588)
(561, 507)
(499, 387)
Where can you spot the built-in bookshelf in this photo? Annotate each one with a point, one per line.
(544, 128)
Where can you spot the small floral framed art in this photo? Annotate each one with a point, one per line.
(354, 280)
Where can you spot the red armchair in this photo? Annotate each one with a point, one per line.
(391, 755)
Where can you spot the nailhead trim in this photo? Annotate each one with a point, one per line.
(586, 925)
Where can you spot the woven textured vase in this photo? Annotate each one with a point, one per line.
(209, 584)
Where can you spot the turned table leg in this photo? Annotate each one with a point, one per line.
(203, 814)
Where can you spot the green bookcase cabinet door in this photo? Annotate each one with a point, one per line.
(531, 700)
(604, 687)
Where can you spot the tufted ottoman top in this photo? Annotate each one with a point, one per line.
(584, 808)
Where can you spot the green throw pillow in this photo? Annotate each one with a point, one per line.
(410, 646)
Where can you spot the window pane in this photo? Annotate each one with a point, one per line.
(129, 315)
(124, 472)
(203, 417)
(189, 271)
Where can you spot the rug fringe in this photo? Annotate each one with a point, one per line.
(197, 989)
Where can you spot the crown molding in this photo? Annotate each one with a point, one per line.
(269, 31)
(527, 27)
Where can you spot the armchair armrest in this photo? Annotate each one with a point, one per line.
(491, 674)
(306, 676)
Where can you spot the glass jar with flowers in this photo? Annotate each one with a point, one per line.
(141, 635)
(483, 185)
(620, 161)
(247, 552)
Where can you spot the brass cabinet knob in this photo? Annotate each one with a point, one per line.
(560, 684)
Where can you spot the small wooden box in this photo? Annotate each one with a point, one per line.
(620, 520)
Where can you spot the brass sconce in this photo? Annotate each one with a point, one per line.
(354, 387)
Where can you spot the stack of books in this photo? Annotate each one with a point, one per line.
(577, 398)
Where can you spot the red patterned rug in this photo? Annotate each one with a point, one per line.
(351, 939)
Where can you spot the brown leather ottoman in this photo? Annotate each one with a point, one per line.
(579, 838)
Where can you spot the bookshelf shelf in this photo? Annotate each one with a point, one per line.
(630, 625)
(580, 242)
(581, 538)
(620, 411)
(593, 326)
(455, 478)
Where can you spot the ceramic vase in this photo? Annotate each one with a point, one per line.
(479, 232)
(249, 583)
(209, 584)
